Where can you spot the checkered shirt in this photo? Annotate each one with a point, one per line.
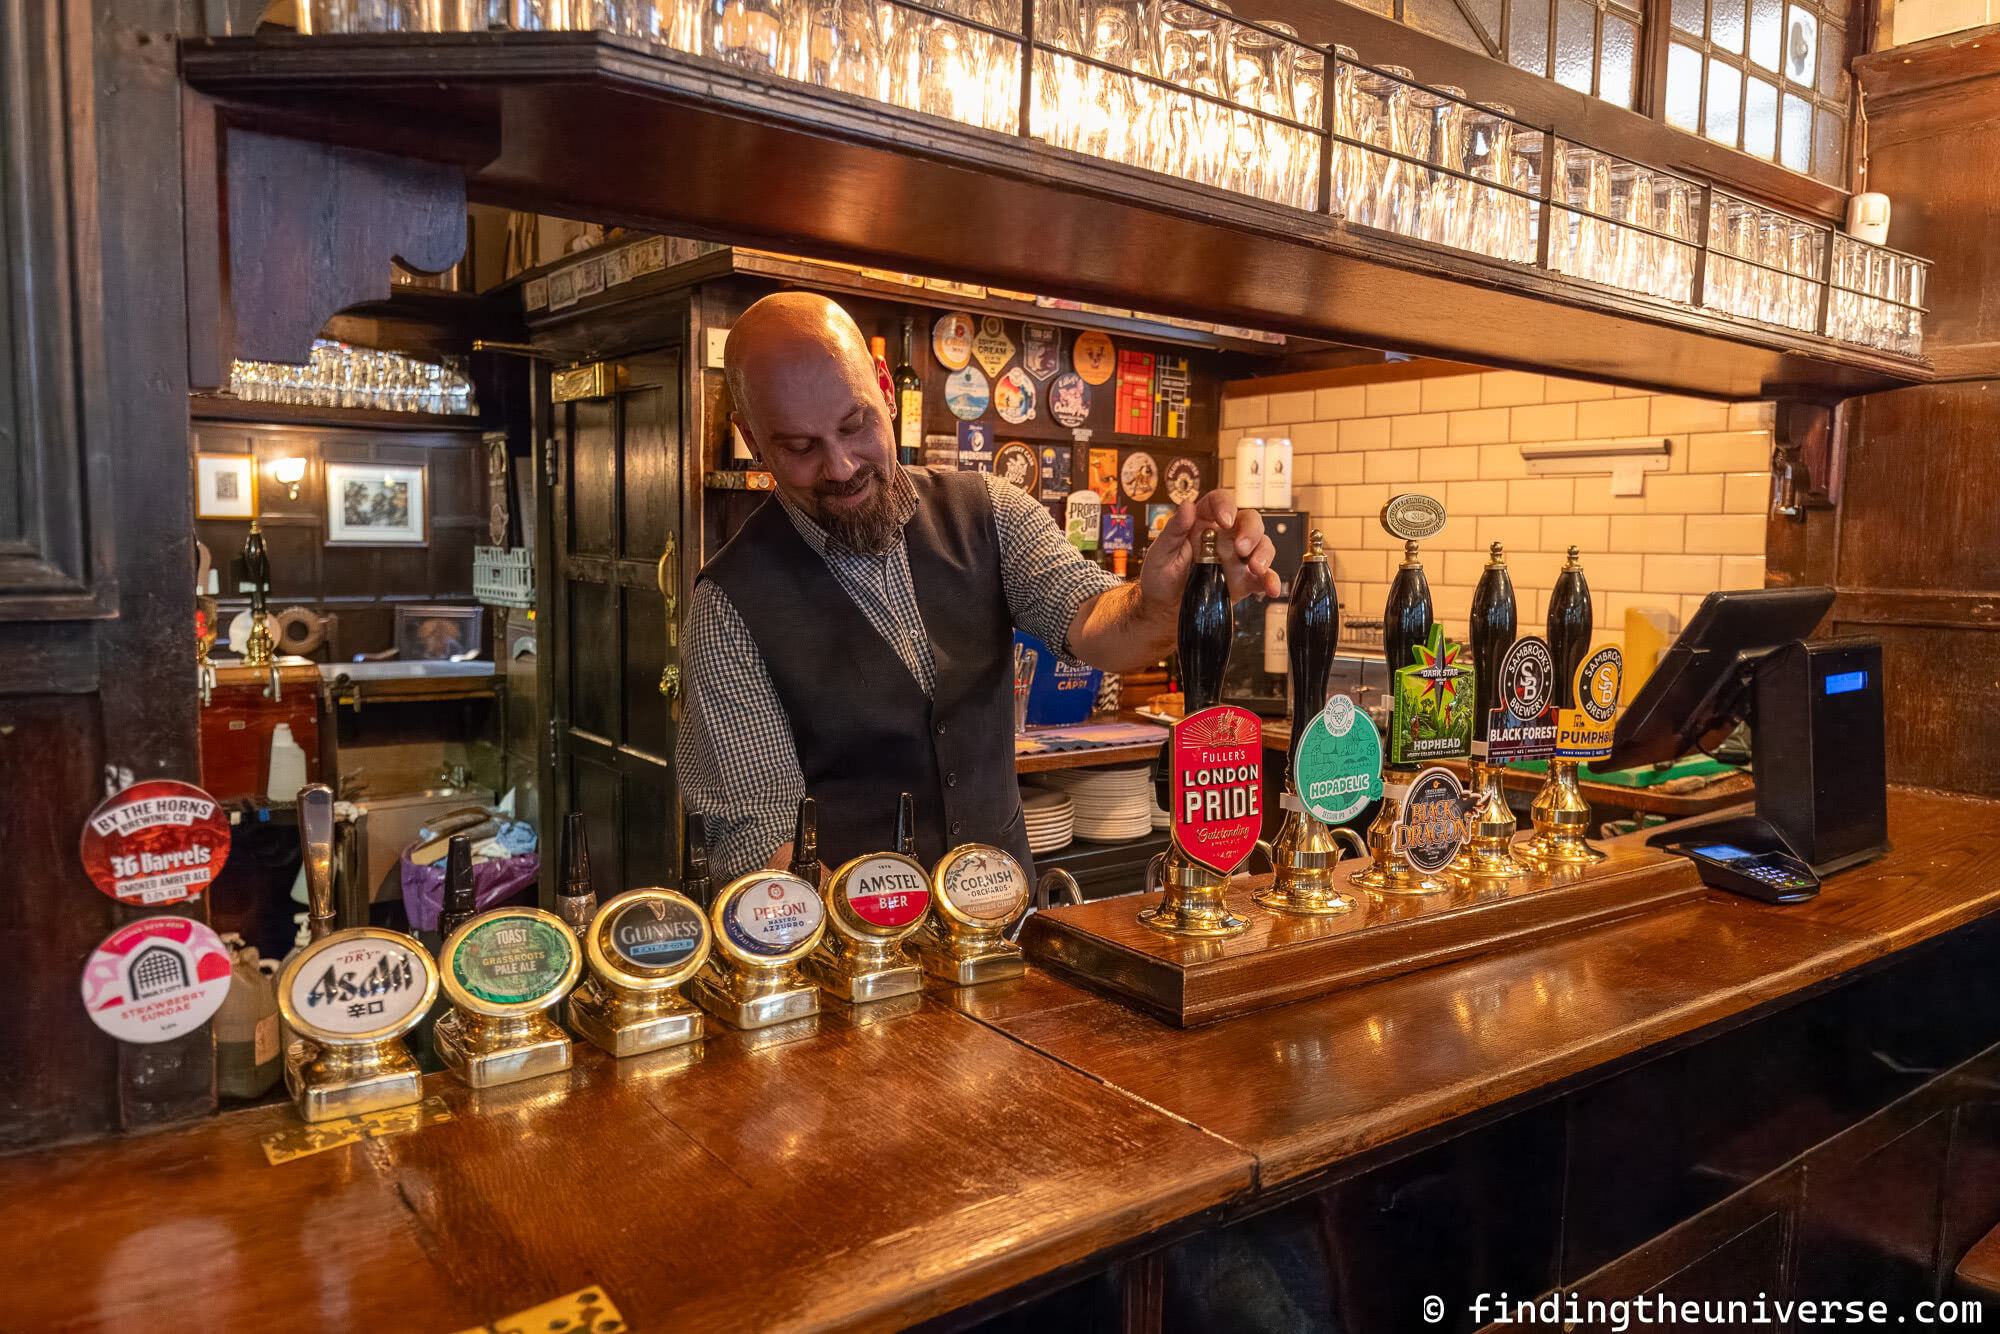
(739, 765)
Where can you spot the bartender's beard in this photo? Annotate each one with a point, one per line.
(869, 529)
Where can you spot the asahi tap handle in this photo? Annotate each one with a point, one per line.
(1312, 629)
(1207, 624)
(315, 806)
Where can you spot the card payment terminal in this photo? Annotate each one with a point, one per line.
(1774, 877)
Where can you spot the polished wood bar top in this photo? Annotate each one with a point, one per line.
(857, 1176)
(1308, 1085)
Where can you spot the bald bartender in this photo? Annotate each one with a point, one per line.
(853, 640)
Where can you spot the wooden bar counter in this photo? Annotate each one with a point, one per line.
(980, 1147)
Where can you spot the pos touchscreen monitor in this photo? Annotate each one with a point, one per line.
(1701, 689)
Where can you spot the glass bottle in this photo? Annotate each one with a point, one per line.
(909, 402)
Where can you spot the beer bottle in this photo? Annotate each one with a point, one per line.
(1406, 616)
(805, 843)
(906, 824)
(461, 902)
(1569, 626)
(1207, 624)
(695, 882)
(1494, 621)
(576, 902)
(1312, 629)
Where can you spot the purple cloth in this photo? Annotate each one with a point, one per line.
(493, 883)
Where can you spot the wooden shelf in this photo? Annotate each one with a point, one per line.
(215, 407)
(1097, 756)
(529, 118)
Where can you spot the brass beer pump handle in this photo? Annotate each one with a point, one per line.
(315, 809)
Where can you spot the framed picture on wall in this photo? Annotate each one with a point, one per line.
(225, 486)
(437, 632)
(376, 504)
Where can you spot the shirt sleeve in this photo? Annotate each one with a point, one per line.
(739, 766)
(1045, 578)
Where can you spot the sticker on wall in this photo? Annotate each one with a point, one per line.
(156, 979)
(1156, 520)
(966, 394)
(1094, 356)
(1183, 481)
(160, 841)
(1055, 470)
(1016, 463)
(1069, 399)
(991, 347)
(1041, 350)
(951, 340)
(1014, 396)
(975, 446)
(1080, 519)
(1117, 529)
(1104, 474)
(1140, 475)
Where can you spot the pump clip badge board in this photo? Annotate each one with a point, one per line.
(156, 979)
(1432, 717)
(1218, 774)
(1584, 732)
(1338, 770)
(1524, 726)
(1434, 823)
(160, 841)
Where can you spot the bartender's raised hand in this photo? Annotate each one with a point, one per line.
(1245, 552)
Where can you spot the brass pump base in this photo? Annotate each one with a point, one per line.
(1194, 904)
(1387, 872)
(855, 972)
(486, 1052)
(1489, 853)
(968, 958)
(627, 1023)
(1303, 857)
(742, 999)
(1562, 818)
(327, 1083)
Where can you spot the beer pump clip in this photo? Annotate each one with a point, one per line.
(978, 892)
(874, 903)
(1489, 851)
(1307, 848)
(1406, 623)
(504, 972)
(348, 996)
(1560, 813)
(1214, 771)
(641, 947)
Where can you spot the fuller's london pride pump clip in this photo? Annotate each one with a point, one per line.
(1218, 772)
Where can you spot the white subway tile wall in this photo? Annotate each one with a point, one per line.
(1698, 527)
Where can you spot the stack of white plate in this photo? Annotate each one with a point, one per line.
(1112, 805)
(1051, 818)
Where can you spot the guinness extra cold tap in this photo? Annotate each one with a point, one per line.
(1305, 851)
(1560, 813)
(1495, 620)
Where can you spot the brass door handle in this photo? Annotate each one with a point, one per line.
(670, 681)
(668, 575)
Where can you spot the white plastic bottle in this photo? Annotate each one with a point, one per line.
(288, 765)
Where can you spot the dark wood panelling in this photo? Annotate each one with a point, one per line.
(357, 584)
